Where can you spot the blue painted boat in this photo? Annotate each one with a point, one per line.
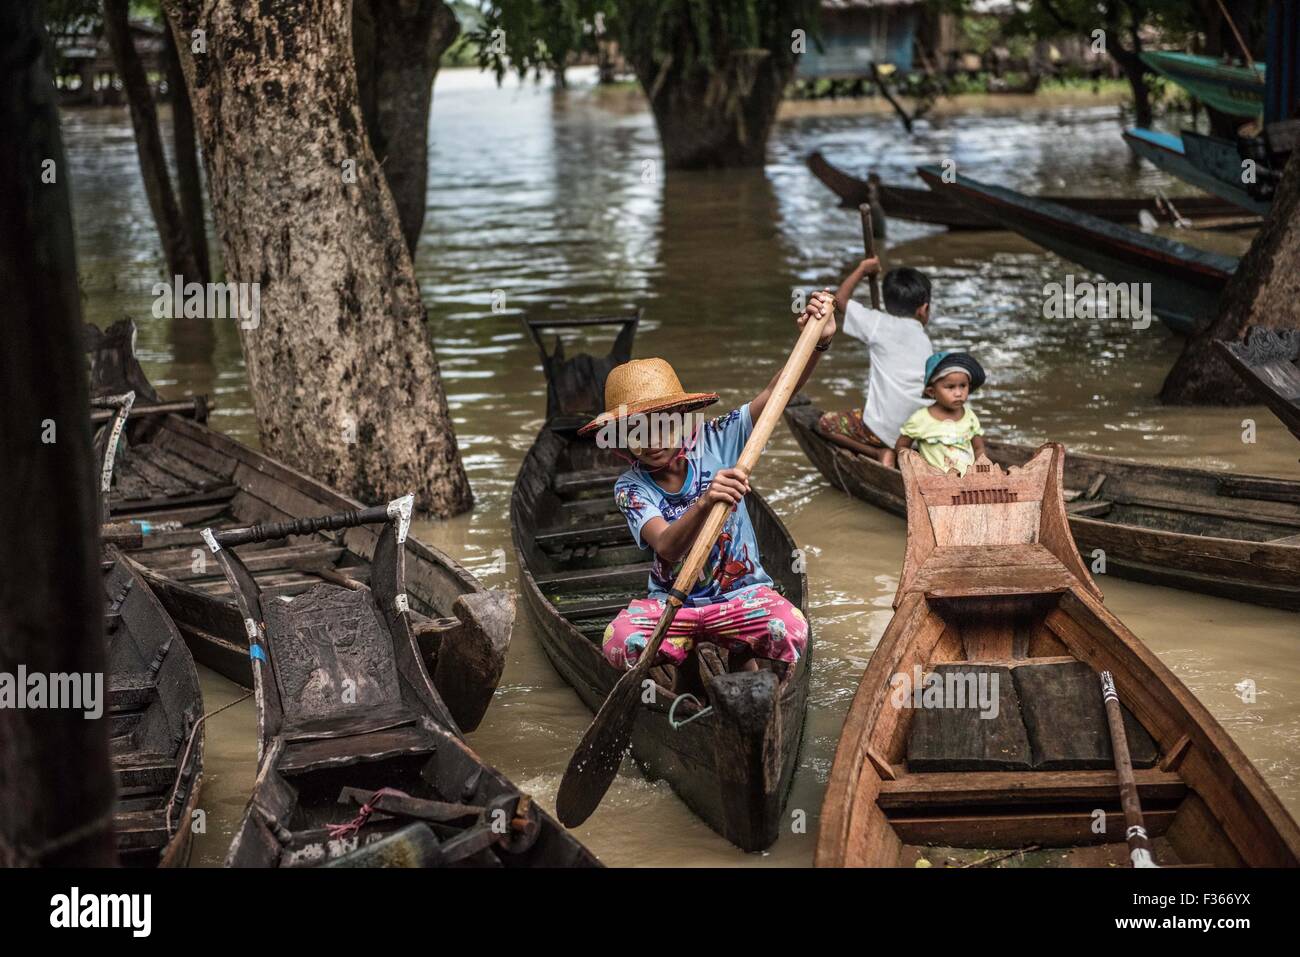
(1202, 164)
(1185, 282)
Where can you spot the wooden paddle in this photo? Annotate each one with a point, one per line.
(1139, 845)
(869, 245)
(595, 763)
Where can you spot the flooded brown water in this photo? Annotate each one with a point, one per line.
(554, 202)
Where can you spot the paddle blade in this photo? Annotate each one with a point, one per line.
(594, 764)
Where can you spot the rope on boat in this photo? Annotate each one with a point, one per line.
(180, 768)
(672, 711)
(338, 831)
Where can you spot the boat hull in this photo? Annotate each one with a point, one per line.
(1184, 282)
(1171, 154)
(926, 206)
(1153, 542)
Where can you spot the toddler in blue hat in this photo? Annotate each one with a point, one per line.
(947, 432)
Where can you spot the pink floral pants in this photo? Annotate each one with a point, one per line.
(758, 621)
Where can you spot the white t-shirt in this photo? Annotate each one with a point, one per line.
(898, 348)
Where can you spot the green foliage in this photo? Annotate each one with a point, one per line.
(691, 35)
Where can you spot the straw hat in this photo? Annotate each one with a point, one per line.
(643, 386)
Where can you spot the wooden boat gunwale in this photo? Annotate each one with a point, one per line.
(1222, 810)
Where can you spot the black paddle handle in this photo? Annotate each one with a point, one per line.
(260, 532)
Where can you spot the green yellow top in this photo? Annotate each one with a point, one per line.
(944, 443)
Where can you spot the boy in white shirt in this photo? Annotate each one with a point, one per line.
(898, 346)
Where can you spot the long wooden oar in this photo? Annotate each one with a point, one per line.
(869, 246)
(1139, 845)
(595, 763)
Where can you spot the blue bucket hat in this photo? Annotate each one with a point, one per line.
(941, 363)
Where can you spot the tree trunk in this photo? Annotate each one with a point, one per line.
(1130, 61)
(189, 184)
(398, 45)
(1262, 292)
(343, 375)
(706, 121)
(176, 247)
(56, 784)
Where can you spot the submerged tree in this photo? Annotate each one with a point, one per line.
(56, 784)
(398, 45)
(343, 374)
(714, 72)
(1264, 291)
(179, 242)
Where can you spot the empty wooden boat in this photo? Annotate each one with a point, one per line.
(154, 708)
(175, 475)
(1185, 282)
(355, 746)
(730, 749)
(1268, 361)
(927, 206)
(978, 734)
(1219, 533)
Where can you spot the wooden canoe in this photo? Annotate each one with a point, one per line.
(579, 567)
(154, 708)
(1188, 158)
(978, 731)
(1185, 281)
(927, 206)
(360, 763)
(176, 475)
(1234, 90)
(1268, 361)
(1220, 533)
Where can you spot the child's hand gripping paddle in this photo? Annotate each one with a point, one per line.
(594, 764)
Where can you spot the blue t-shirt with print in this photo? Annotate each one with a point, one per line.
(733, 563)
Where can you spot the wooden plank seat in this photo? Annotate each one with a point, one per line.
(303, 757)
(361, 719)
(602, 608)
(140, 830)
(129, 691)
(573, 483)
(591, 578)
(979, 570)
(143, 771)
(613, 533)
(911, 792)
